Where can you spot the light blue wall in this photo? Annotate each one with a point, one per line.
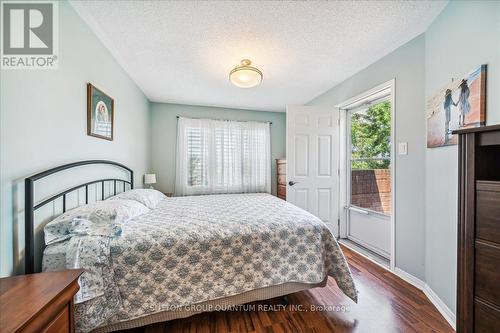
(406, 65)
(43, 123)
(465, 35)
(164, 135)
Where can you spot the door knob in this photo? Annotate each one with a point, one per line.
(291, 183)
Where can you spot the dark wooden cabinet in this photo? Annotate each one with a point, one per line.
(478, 285)
(40, 302)
(281, 178)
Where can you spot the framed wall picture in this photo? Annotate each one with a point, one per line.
(460, 104)
(100, 113)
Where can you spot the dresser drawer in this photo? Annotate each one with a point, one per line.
(488, 213)
(281, 169)
(281, 179)
(487, 274)
(487, 318)
(60, 324)
(282, 191)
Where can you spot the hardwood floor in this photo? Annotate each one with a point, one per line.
(386, 304)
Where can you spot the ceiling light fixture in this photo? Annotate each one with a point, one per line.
(245, 76)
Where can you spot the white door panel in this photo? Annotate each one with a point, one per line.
(312, 161)
(324, 207)
(301, 162)
(325, 155)
(371, 230)
(302, 198)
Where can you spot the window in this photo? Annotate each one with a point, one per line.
(197, 174)
(217, 156)
(370, 156)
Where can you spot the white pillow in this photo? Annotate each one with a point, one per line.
(103, 218)
(148, 197)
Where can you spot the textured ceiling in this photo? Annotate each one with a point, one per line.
(182, 51)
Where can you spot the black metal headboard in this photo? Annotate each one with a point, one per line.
(30, 206)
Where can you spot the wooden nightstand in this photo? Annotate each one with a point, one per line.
(41, 302)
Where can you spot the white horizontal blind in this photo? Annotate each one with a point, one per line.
(217, 156)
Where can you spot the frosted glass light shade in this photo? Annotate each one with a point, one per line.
(150, 178)
(245, 76)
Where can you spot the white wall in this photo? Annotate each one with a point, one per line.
(465, 35)
(43, 123)
(406, 65)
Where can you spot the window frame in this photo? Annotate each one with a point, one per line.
(363, 105)
(246, 144)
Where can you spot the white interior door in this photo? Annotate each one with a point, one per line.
(312, 164)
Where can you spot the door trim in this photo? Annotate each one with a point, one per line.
(342, 165)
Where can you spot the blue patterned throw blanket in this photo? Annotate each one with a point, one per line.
(193, 249)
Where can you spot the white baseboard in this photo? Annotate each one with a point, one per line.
(439, 304)
(416, 282)
(431, 295)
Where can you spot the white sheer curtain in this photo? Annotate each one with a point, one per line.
(219, 156)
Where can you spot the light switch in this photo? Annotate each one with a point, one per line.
(403, 148)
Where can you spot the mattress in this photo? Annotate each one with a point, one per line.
(190, 250)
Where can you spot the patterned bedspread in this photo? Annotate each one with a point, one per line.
(193, 249)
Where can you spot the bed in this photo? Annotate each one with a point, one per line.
(185, 255)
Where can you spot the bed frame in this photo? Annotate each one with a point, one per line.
(30, 206)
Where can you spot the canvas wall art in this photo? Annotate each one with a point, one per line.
(100, 113)
(461, 104)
